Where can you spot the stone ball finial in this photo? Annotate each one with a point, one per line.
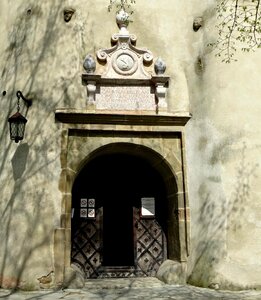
(159, 66)
(89, 64)
(122, 18)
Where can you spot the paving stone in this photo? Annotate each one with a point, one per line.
(132, 289)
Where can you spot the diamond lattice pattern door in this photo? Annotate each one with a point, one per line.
(86, 245)
(150, 244)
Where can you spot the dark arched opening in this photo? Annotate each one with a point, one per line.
(112, 236)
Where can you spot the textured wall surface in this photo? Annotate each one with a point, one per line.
(42, 55)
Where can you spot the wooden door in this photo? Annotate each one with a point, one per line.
(110, 246)
(151, 244)
(118, 241)
(86, 243)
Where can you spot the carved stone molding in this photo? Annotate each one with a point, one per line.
(74, 116)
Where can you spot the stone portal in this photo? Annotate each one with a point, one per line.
(124, 207)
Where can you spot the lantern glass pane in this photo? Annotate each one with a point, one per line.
(13, 130)
(20, 131)
(17, 130)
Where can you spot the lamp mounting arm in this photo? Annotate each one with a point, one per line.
(28, 102)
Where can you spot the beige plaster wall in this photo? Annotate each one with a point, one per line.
(223, 146)
(42, 55)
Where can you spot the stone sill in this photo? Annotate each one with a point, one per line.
(80, 116)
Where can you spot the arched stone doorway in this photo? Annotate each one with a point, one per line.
(121, 203)
(126, 115)
(162, 150)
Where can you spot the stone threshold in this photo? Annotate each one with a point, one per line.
(123, 283)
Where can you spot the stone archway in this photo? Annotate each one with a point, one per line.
(163, 152)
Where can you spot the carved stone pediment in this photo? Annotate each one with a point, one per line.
(124, 60)
(123, 83)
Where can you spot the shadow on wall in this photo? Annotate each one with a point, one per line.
(25, 212)
(22, 61)
(25, 223)
(217, 215)
(19, 160)
(240, 198)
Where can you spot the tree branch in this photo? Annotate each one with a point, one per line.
(239, 27)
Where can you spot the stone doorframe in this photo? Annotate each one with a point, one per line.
(157, 139)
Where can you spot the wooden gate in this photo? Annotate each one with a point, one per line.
(86, 244)
(150, 244)
(149, 247)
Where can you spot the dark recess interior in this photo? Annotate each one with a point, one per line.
(118, 182)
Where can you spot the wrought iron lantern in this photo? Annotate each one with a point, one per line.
(17, 121)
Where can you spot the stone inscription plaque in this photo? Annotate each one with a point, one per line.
(125, 98)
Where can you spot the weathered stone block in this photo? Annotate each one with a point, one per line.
(172, 272)
(74, 278)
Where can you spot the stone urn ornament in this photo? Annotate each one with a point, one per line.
(89, 64)
(160, 66)
(122, 18)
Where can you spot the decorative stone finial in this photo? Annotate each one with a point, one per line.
(89, 64)
(122, 18)
(160, 66)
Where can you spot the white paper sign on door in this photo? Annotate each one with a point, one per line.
(148, 206)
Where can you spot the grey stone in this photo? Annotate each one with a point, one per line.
(67, 14)
(74, 278)
(150, 289)
(171, 272)
(198, 22)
